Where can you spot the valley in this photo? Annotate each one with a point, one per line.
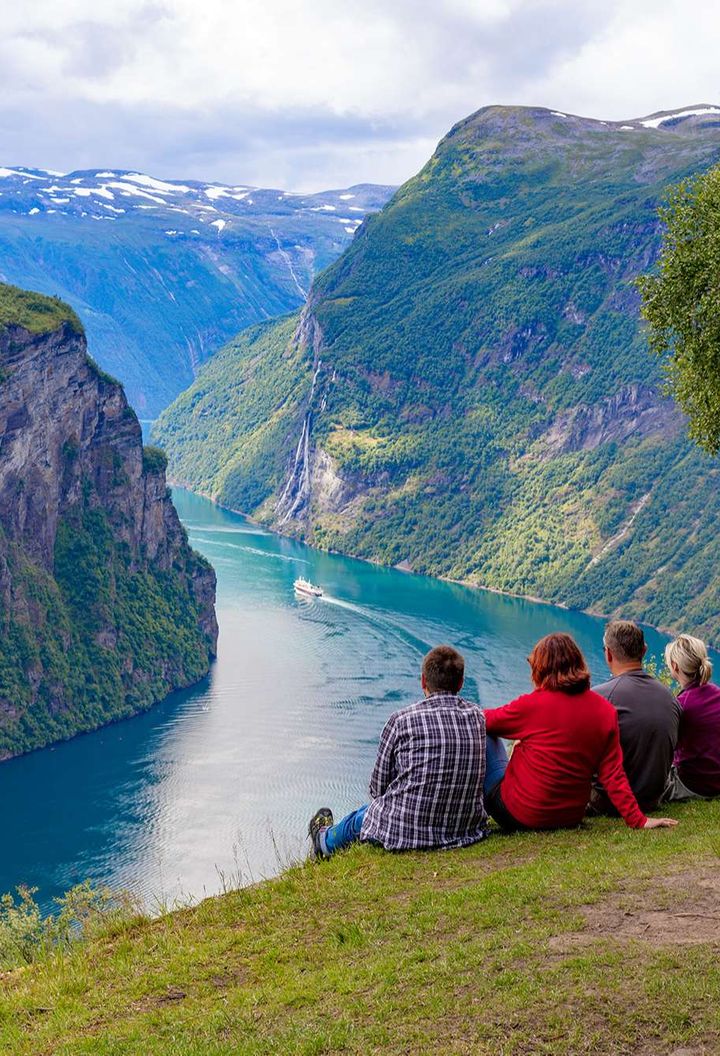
(163, 272)
(215, 785)
(468, 391)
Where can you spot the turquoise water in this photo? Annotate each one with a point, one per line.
(216, 784)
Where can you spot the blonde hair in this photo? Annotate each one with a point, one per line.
(690, 656)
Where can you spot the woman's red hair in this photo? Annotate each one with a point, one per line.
(557, 663)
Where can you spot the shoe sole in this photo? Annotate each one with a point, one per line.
(321, 818)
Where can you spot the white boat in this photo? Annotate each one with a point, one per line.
(304, 586)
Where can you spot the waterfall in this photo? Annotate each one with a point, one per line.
(297, 486)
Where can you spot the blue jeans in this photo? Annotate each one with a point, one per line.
(347, 831)
(496, 761)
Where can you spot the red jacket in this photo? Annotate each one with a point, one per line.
(564, 740)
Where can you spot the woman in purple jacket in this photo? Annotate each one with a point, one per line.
(696, 771)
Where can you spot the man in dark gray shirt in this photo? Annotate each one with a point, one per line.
(648, 716)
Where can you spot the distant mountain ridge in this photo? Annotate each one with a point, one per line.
(163, 272)
(468, 391)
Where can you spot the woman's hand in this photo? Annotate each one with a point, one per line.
(660, 823)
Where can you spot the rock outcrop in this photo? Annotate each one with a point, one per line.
(634, 411)
(104, 608)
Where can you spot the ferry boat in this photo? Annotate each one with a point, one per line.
(304, 586)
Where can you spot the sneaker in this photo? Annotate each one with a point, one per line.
(321, 820)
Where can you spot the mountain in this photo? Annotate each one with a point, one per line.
(468, 391)
(162, 273)
(104, 608)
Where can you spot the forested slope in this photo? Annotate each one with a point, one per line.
(104, 608)
(469, 391)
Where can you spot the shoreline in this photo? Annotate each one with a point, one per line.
(595, 613)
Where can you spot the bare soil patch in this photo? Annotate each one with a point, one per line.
(146, 1004)
(682, 910)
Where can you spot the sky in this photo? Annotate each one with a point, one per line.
(318, 94)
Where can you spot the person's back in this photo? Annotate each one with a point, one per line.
(697, 759)
(565, 738)
(565, 733)
(426, 787)
(427, 782)
(698, 753)
(648, 716)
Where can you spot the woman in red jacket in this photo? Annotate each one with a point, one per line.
(566, 734)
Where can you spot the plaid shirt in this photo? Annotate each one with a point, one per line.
(427, 783)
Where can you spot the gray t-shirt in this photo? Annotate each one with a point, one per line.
(648, 716)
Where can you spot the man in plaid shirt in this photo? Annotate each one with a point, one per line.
(427, 782)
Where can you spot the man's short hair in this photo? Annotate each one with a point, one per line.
(625, 640)
(444, 670)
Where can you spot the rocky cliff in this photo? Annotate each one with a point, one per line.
(468, 391)
(104, 608)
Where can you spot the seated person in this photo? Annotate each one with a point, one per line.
(427, 783)
(565, 734)
(697, 760)
(648, 717)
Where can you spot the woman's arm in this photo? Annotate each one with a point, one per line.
(510, 720)
(614, 779)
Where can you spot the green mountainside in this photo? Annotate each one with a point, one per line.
(469, 393)
(104, 608)
(33, 311)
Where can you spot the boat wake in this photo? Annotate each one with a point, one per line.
(381, 621)
(209, 540)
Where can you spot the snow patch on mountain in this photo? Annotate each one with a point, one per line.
(157, 185)
(656, 122)
(6, 173)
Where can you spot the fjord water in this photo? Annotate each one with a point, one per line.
(215, 785)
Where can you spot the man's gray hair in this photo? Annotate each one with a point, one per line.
(625, 640)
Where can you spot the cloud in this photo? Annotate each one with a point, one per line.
(309, 93)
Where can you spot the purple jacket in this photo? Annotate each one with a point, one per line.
(697, 757)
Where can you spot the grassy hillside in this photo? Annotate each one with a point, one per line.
(602, 941)
(233, 429)
(33, 311)
(473, 394)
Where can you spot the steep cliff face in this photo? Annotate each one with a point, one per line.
(473, 394)
(635, 411)
(103, 606)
